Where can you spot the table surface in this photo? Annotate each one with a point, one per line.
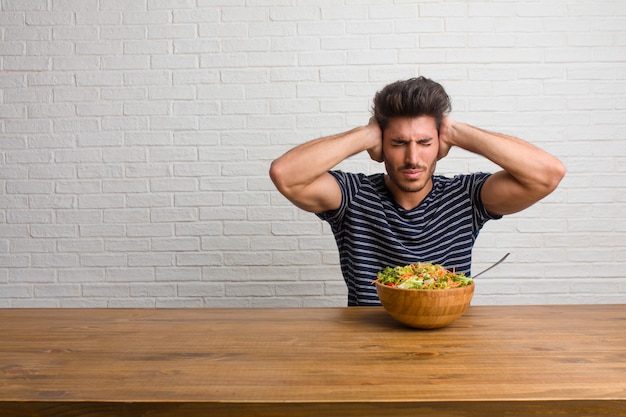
(538, 360)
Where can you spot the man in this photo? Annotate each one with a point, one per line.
(410, 214)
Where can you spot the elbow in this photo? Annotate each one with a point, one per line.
(277, 175)
(552, 176)
(557, 172)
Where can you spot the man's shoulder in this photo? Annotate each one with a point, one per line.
(459, 180)
(360, 175)
(357, 178)
(356, 186)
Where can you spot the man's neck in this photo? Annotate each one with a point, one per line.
(408, 200)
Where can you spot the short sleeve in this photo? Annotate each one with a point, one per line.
(475, 186)
(350, 184)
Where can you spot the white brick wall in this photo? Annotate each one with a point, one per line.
(135, 140)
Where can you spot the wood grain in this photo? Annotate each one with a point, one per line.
(524, 360)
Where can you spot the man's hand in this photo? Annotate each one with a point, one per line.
(376, 150)
(446, 131)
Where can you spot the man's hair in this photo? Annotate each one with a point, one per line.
(411, 98)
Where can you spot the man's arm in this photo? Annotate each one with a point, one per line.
(302, 175)
(528, 173)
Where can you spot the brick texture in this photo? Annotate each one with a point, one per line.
(136, 137)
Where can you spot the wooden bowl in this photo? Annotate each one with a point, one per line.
(425, 309)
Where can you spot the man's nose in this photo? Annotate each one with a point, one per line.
(412, 155)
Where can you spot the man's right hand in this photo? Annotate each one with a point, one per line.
(446, 131)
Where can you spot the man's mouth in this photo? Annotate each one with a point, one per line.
(412, 173)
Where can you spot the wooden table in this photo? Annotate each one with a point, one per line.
(497, 360)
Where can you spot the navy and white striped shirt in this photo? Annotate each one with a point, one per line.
(372, 231)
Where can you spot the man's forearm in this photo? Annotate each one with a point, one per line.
(526, 163)
(305, 163)
(528, 173)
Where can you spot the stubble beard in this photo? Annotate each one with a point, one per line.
(395, 175)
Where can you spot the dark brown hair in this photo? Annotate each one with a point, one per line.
(411, 98)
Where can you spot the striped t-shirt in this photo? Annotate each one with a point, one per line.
(372, 231)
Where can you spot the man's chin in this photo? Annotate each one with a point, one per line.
(410, 186)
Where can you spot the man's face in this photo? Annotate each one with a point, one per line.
(410, 147)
